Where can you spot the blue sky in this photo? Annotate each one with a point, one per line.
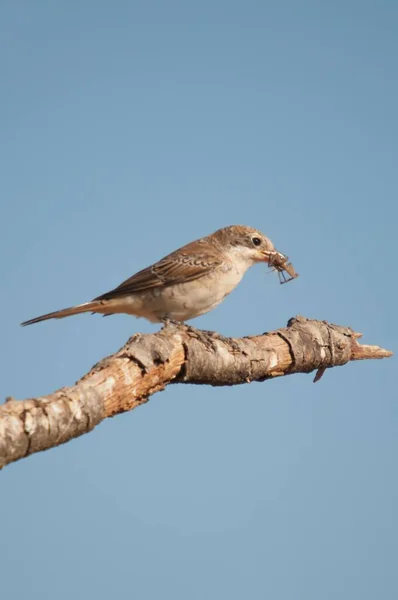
(129, 129)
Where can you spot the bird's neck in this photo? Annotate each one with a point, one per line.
(241, 259)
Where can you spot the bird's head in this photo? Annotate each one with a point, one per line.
(247, 243)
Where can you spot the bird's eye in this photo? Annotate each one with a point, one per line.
(256, 241)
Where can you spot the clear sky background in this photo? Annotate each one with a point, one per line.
(127, 130)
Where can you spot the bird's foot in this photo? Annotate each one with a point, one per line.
(229, 342)
(170, 323)
(206, 337)
(209, 339)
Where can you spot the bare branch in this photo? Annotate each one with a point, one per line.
(176, 354)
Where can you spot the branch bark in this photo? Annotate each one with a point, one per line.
(176, 354)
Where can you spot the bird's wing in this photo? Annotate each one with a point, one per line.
(193, 261)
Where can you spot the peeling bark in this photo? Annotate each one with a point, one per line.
(176, 354)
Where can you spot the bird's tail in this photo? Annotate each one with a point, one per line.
(94, 306)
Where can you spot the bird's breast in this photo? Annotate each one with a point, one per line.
(186, 300)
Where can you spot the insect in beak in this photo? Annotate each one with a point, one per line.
(279, 262)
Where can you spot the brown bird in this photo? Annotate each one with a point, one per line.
(185, 284)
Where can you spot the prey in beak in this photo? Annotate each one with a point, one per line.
(279, 262)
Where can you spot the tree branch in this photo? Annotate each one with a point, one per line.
(176, 354)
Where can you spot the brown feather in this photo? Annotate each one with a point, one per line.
(193, 261)
(66, 312)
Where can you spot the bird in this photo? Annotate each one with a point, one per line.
(185, 284)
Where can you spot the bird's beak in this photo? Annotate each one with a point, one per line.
(267, 254)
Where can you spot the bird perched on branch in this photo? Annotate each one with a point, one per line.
(187, 283)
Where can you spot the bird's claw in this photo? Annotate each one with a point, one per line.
(206, 337)
(230, 342)
(203, 336)
(209, 339)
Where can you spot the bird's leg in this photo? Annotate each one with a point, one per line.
(168, 322)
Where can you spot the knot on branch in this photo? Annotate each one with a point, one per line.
(317, 344)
